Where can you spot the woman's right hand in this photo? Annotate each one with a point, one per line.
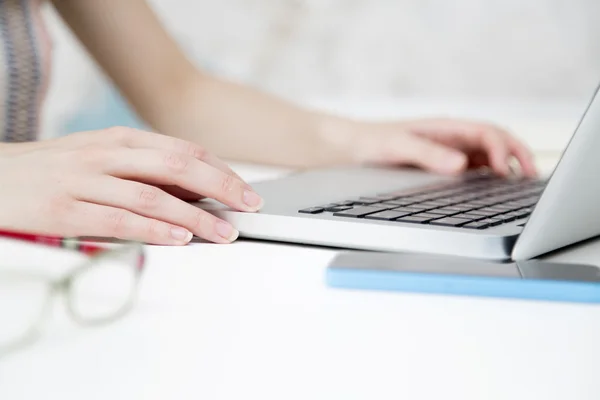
(120, 183)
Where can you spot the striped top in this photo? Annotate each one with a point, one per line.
(25, 51)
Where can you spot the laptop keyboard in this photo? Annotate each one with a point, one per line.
(479, 201)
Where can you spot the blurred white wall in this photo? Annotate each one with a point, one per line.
(532, 48)
(372, 49)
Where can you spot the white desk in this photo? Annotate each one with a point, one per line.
(255, 320)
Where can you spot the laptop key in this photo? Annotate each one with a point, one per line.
(490, 202)
(385, 197)
(463, 207)
(443, 202)
(427, 215)
(358, 212)
(455, 207)
(512, 204)
(366, 201)
(492, 221)
(388, 215)
(337, 208)
(476, 225)
(421, 207)
(510, 216)
(420, 198)
(431, 205)
(485, 212)
(400, 202)
(478, 203)
(506, 217)
(388, 204)
(385, 206)
(470, 216)
(522, 213)
(497, 209)
(413, 208)
(444, 211)
(414, 220)
(471, 205)
(407, 210)
(312, 210)
(437, 203)
(502, 207)
(450, 221)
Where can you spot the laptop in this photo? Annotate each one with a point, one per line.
(407, 210)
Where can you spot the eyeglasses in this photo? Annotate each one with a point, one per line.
(99, 291)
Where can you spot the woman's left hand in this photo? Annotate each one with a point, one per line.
(446, 146)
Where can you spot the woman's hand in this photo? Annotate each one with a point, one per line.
(118, 183)
(444, 146)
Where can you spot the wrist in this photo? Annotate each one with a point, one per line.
(339, 138)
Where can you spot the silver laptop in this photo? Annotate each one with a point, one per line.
(475, 215)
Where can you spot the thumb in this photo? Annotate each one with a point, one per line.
(427, 154)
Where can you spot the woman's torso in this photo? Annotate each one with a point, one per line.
(25, 51)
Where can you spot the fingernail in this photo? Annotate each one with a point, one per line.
(226, 231)
(181, 235)
(252, 200)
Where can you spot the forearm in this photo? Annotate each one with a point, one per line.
(240, 123)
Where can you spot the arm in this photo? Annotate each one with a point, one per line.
(170, 94)
(241, 123)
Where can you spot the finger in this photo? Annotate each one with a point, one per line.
(176, 191)
(152, 202)
(141, 139)
(216, 162)
(473, 137)
(170, 168)
(499, 144)
(494, 143)
(105, 221)
(180, 193)
(524, 156)
(424, 153)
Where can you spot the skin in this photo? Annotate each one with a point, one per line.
(131, 184)
(119, 183)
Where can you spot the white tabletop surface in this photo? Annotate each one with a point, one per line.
(255, 320)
